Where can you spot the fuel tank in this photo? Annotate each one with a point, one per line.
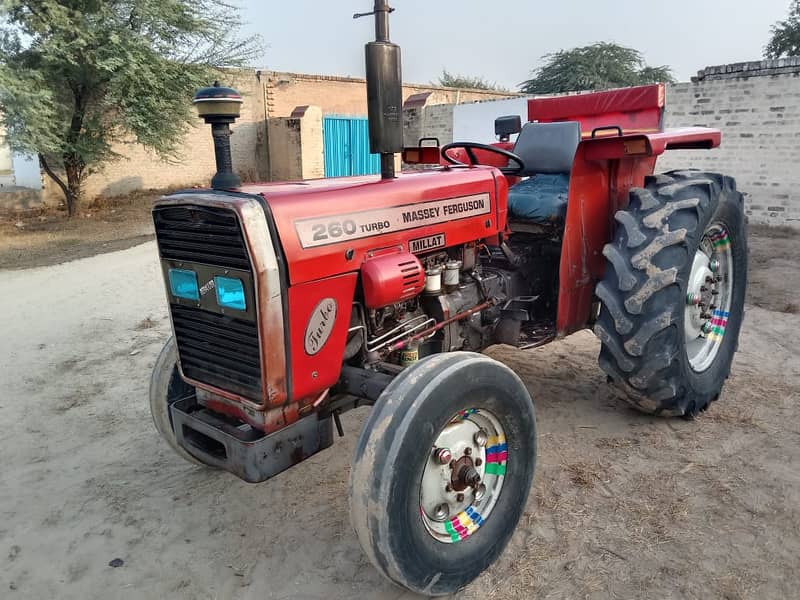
(328, 227)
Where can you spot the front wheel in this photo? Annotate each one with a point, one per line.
(442, 471)
(167, 387)
(672, 297)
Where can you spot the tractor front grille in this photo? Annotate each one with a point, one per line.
(201, 234)
(218, 350)
(215, 348)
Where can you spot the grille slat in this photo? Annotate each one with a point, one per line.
(232, 330)
(201, 234)
(226, 343)
(215, 362)
(216, 349)
(232, 362)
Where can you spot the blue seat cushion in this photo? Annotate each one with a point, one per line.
(542, 198)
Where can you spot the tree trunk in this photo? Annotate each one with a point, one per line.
(70, 197)
(74, 170)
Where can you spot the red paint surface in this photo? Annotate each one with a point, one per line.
(312, 374)
(336, 197)
(391, 278)
(597, 189)
(637, 109)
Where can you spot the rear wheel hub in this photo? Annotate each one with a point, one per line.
(708, 297)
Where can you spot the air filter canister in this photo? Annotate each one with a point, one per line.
(452, 274)
(433, 280)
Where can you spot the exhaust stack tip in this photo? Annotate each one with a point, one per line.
(220, 106)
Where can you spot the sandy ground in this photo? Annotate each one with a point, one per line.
(623, 505)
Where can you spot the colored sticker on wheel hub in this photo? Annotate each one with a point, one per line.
(463, 524)
(719, 321)
(496, 456)
(720, 240)
(458, 495)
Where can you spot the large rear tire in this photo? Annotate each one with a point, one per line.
(166, 387)
(442, 471)
(672, 297)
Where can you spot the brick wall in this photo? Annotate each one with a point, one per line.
(757, 107)
(428, 121)
(295, 145)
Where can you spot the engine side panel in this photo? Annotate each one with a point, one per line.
(319, 318)
(329, 230)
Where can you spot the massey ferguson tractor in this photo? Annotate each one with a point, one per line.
(294, 302)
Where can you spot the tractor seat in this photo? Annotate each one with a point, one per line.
(548, 150)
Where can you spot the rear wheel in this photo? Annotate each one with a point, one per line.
(442, 471)
(166, 387)
(672, 297)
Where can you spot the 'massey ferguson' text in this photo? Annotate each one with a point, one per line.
(321, 231)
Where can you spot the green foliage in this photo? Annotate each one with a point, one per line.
(76, 76)
(600, 66)
(785, 40)
(448, 79)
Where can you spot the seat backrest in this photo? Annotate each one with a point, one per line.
(548, 147)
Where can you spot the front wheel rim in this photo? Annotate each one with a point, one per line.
(708, 297)
(463, 475)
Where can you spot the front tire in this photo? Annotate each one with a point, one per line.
(672, 296)
(418, 522)
(166, 387)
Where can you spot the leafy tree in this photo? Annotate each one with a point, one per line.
(449, 79)
(599, 66)
(76, 76)
(785, 40)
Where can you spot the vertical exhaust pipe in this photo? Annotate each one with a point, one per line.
(384, 91)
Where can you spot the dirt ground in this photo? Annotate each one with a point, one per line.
(623, 505)
(39, 237)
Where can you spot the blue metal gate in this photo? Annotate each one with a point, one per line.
(346, 147)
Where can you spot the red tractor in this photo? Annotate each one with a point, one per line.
(294, 302)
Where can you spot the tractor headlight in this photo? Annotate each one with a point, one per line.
(230, 293)
(183, 284)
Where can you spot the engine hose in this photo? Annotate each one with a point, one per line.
(354, 345)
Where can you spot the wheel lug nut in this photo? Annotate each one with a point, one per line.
(478, 462)
(480, 492)
(448, 488)
(440, 512)
(467, 451)
(693, 299)
(443, 455)
(480, 438)
(460, 498)
(706, 328)
(713, 266)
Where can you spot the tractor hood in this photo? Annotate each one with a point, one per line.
(331, 226)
